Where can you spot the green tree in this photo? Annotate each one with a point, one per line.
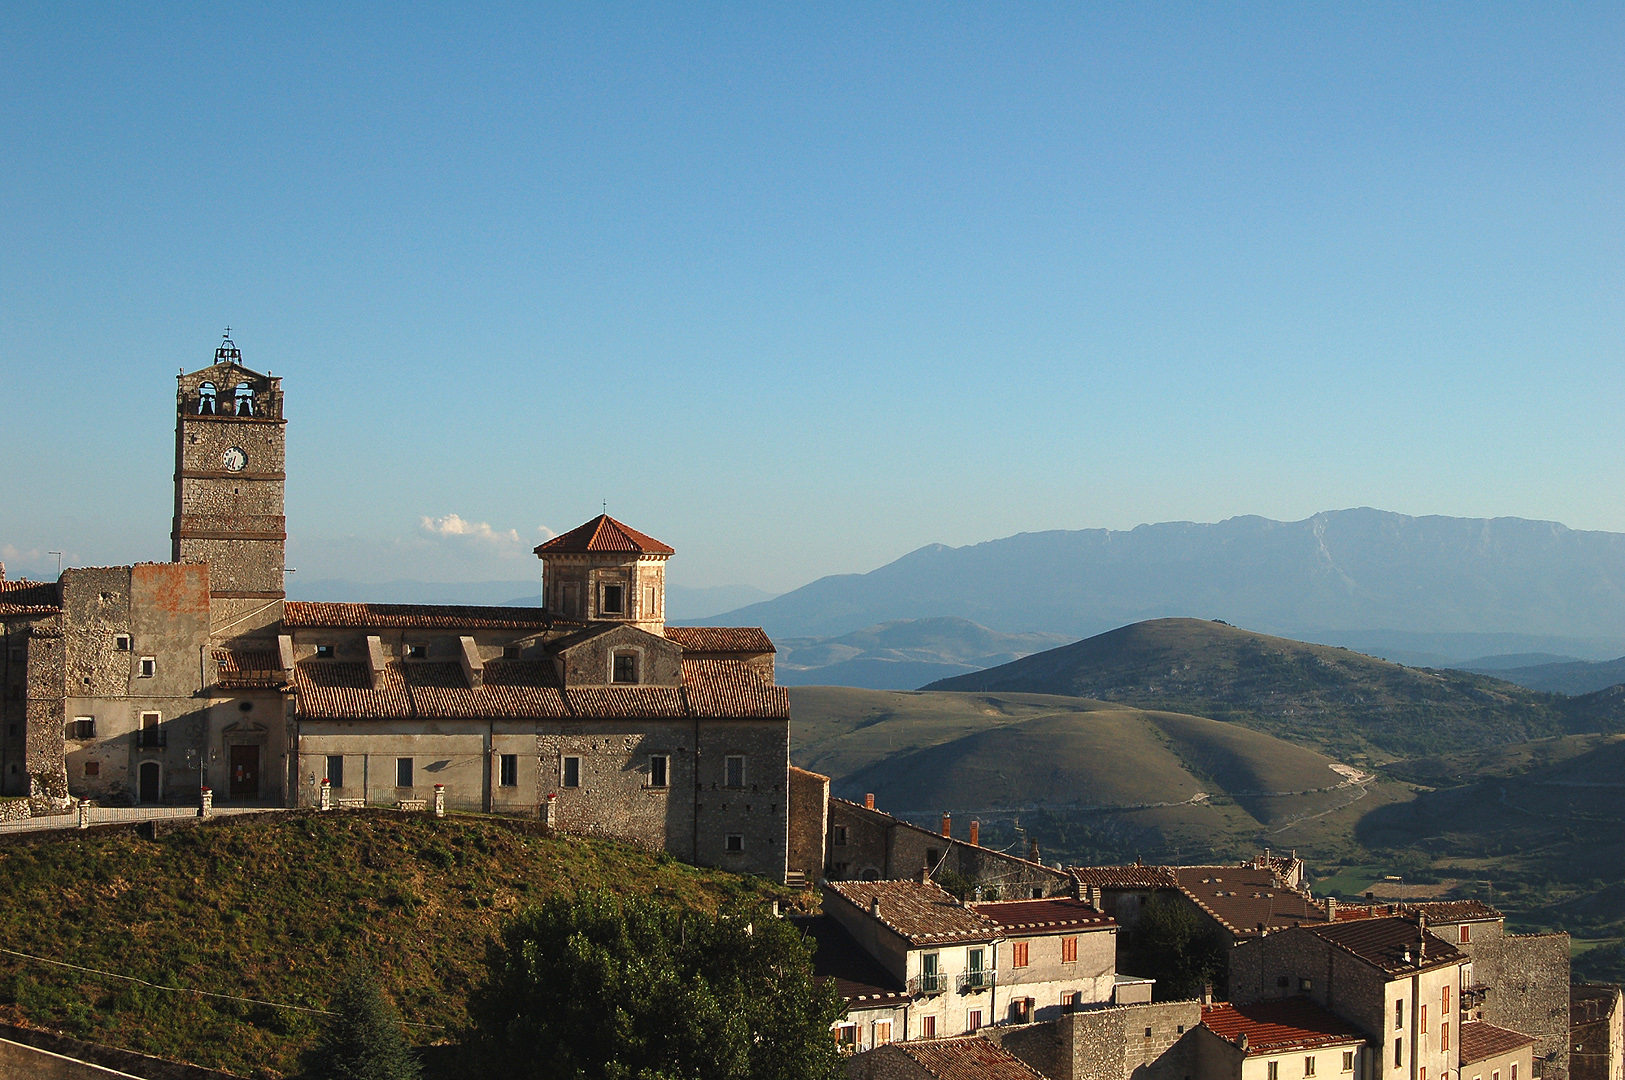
(364, 1040)
(1172, 946)
(598, 986)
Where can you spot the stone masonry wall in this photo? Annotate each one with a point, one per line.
(809, 821)
(1120, 1042)
(1529, 980)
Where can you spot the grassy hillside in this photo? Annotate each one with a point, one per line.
(270, 907)
(1114, 778)
(1354, 707)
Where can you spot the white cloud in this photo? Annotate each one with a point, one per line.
(453, 525)
(547, 534)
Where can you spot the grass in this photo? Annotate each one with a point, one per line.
(272, 906)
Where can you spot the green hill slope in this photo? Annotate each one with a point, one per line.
(269, 907)
(1354, 707)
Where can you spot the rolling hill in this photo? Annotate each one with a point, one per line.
(901, 655)
(1456, 587)
(1564, 677)
(1354, 707)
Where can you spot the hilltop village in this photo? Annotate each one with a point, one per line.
(197, 682)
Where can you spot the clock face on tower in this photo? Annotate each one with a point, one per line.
(234, 459)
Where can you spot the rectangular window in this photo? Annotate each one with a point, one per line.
(335, 769)
(149, 666)
(1495, 1074)
(735, 767)
(1399, 1052)
(882, 1032)
(928, 1027)
(626, 668)
(1422, 1073)
(1399, 1015)
(403, 772)
(121, 642)
(1309, 1065)
(1069, 950)
(1514, 1070)
(325, 652)
(510, 652)
(837, 835)
(659, 770)
(1444, 1036)
(1272, 1071)
(84, 727)
(648, 601)
(1444, 1002)
(736, 842)
(1018, 954)
(1463, 935)
(613, 604)
(846, 1036)
(509, 765)
(93, 768)
(572, 772)
(417, 652)
(1068, 1001)
(1348, 1061)
(151, 735)
(973, 1020)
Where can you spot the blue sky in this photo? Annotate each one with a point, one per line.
(798, 289)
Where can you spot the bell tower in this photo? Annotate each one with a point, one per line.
(230, 453)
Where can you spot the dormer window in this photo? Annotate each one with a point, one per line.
(614, 602)
(417, 652)
(325, 652)
(205, 399)
(244, 395)
(626, 668)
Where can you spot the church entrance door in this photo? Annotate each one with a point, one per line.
(245, 772)
(150, 774)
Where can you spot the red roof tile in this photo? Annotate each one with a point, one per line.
(1481, 1041)
(1239, 898)
(243, 669)
(732, 688)
(1273, 1027)
(603, 533)
(734, 639)
(617, 701)
(1038, 916)
(972, 1057)
(300, 614)
(922, 912)
(1385, 944)
(1127, 877)
(24, 597)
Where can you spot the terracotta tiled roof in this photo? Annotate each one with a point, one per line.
(971, 1057)
(922, 912)
(1273, 1027)
(858, 977)
(1384, 944)
(1127, 877)
(732, 688)
(1038, 916)
(616, 701)
(300, 614)
(1239, 898)
(1481, 1041)
(24, 597)
(340, 690)
(1437, 911)
(243, 669)
(603, 533)
(751, 639)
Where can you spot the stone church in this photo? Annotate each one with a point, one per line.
(148, 683)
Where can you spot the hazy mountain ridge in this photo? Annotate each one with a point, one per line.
(901, 655)
(1541, 585)
(1573, 677)
(683, 603)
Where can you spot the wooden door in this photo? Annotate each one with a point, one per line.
(150, 788)
(245, 772)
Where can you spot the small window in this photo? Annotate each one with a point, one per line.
(1444, 1036)
(1464, 934)
(510, 652)
(614, 600)
(121, 642)
(151, 735)
(1069, 1001)
(1444, 1001)
(149, 666)
(93, 768)
(1282, 982)
(1422, 1073)
(1018, 954)
(735, 766)
(974, 959)
(403, 772)
(1273, 1071)
(1348, 1061)
(882, 1032)
(335, 769)
(846, 1036)
(84, 727)
(659, 770)
(572, 772)
(973, 1020)
(510, 770)
(648, 601)
(1514, 1070)
(1399, 1052)
(1148, 1033)
(1069, 950)
(1423, 1019)
(626, 668)
(837, 835)
(736, 842)
(1309, 1065)
(1399, 1015)
(1306, 985)
(928, 1027)
(417, 652)
(324, 651)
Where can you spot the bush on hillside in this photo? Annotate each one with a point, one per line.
(364, 1041)
(598, 987)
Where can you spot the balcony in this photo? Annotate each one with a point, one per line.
(974, 981)
(927, 984)
(150, 739)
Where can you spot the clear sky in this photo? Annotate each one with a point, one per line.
(799, 288)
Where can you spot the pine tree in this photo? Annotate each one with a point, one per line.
(364, 1040)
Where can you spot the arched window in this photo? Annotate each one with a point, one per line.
(205, 399)
(245, 399)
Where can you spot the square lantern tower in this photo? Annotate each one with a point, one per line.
(605, 571)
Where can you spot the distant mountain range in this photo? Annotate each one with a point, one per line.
(902, 655)
(1572, 677)
(683, 604)
(1417, 589)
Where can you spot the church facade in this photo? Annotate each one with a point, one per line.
(146, 683)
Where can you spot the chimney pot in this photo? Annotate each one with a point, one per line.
(1331, 909)
(869, 801)
(1032, 850)
(874, 906)
(975, 833)
(947, 824)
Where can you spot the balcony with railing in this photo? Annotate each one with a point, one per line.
(928, 984)
(150, 739)
(972, 981)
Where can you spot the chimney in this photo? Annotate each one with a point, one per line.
(925, 874)
(874, 906)
(947, 824)
(975, 833)
(1032, 849)
(1421, 937)
(869, 801)
(1331, 909)
(1207, 993)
